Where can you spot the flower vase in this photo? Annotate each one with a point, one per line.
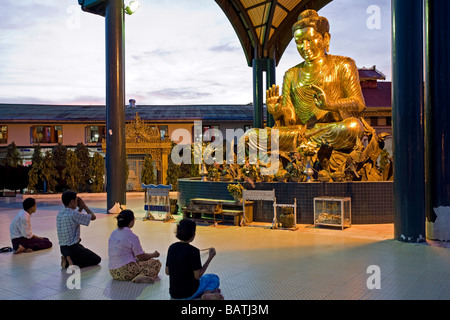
(237, 198)
(308, 170)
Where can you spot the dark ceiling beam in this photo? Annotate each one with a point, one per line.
(258, 5)
(272, 46)
(265, 42)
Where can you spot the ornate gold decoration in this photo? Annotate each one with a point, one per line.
(138, 131)
(143, 138)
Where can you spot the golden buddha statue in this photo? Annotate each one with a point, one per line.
(321, 97)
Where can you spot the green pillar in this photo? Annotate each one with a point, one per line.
(260, 66)
(270, 80)
(408, 120)
(115, 104)
(258, 95)
(437, 118)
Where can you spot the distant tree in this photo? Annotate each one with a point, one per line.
(183, 170)
(60, 157)
(72, 173)
(148, 173)
(33, 177)
(84, 164)
(98, 172)
(12, 157)
(34, 174)
(48, 172)
(37, 155)
(173, 173)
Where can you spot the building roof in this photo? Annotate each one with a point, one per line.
(97, 113)
(380, 96)
(370, 74)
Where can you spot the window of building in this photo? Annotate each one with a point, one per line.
(209, 136)
(374, 121)
(46, 134)
(3, 134)
(164, 130)
(95, 134)
(388, 121)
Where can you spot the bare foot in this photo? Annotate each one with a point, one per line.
(66, 262)
(144, 279)
(212, 296)
(21, 249)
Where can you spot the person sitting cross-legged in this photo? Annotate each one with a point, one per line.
(127, 260)
(187, 278)
(22, 237)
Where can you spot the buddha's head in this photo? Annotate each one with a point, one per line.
(311, 34)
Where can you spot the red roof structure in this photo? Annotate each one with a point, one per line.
(380, 96)
(376, 93)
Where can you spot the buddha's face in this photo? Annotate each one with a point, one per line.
(311, 44)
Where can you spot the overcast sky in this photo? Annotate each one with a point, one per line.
(177, 51)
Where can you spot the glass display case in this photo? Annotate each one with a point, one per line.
(332, 211)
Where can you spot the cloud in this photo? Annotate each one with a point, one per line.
(25, 14)
(177, 94)
(226, 47)
(177, 51)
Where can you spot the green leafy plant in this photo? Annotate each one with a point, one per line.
(98, 172)
(72, 172)
(34, 175)
(148, 174)
(60, 156)
(12, 157)
(48, 172)
(235, 190)
(84, 164)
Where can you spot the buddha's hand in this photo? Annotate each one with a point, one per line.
(320, 98)
(273, 99)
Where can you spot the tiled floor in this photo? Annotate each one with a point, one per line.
(254, 262)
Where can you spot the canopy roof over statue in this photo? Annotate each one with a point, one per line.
(264, 26)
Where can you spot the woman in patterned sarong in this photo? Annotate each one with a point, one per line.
(127, 260)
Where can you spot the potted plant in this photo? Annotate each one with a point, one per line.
(236, 191)
(287, 217)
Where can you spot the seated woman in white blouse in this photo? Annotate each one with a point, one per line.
(127, 259)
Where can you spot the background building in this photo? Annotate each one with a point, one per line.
(149, 128)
